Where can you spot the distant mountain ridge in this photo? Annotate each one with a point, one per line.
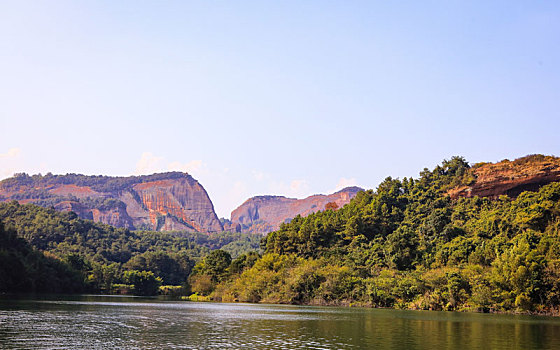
(264, 214)
(171, 201)
(175, 201)
(161, 202)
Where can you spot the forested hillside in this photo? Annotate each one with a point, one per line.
(23, 269)
(409, 245)
(100, 255)
(412, 243)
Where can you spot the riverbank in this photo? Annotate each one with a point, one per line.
(108, 322)
(347, 304)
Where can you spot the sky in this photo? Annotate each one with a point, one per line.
(275, 97)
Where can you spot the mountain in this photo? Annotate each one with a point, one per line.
(263, 214)
(160, 202)
(507, 177)
(175, 201)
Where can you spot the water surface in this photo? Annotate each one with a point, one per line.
(111, 322)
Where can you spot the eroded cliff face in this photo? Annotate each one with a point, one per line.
(510, 177)
(182, 203)
(115, 216)
(263, 214)
(163, 202)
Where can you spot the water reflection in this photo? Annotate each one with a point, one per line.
(98, 322)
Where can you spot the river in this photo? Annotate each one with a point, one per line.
(113, 322)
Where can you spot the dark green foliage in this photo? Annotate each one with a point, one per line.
(99, 254)
(65, 233)
(233, 242)
(407, 244)
(404, 245)
(402, 248)
(243, 262)
(172, 269)
(214, 265)
(23, 269)
(143, 282)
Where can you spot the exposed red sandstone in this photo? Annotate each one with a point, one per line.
(263, 214)
(176, 201)
(172, 201)
(76, 191)
(510, 177)
(184, 200)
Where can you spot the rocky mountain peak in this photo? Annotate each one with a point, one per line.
(263, 214)
(163, 202)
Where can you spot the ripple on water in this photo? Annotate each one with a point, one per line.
(120, 323)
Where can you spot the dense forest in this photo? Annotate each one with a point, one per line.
(405, 245)
(408, 245)
(23, 269)
(75, 255)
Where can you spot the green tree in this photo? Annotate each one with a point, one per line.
(216, 264)
(402, 248)
(144, 282)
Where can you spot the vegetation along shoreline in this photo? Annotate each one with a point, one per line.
(480, 238)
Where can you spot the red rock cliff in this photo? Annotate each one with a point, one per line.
(184, 200)
(169, 201)
(263, 214)
(510, 177)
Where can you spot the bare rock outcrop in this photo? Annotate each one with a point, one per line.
(263, 214)
(510, 178)
(164, 202)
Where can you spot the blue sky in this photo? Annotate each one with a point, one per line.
(286, 97)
